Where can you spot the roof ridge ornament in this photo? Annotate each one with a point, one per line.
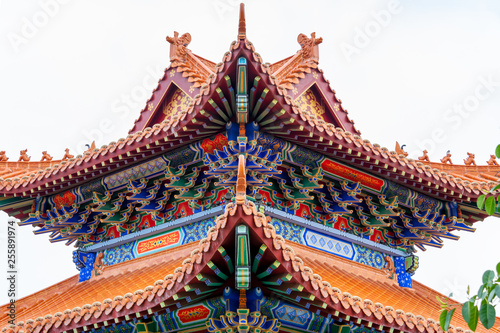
(24, 156)
(178, 47)
(242, 27)
(310, 49)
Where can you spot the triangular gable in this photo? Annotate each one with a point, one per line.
(310, 90)
(175, 91)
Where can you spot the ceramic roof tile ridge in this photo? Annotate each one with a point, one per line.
(278, 64)
(86, 158)
(474, 173)
(374, 313)
(421, 167)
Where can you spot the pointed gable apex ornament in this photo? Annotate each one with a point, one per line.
(242, 27)
(310, 49)
(178, 47)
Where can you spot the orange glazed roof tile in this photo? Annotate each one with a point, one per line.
(472, 173)
(381, 301)
(116, 280)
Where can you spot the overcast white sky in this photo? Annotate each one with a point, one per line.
(422, 73)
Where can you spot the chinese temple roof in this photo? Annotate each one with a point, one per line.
(277, 113)
(350, 289)
(290, 100)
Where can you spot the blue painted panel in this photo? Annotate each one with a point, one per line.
(329, 244)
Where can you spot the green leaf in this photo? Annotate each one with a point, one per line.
(473, 317)
(487, 314)
(440, 301)
(497, 151)
(470, 315)
(488, 276)
(448, 319)
(466, 309)
(442, 320)
(480, 292)
(491, 295)
(489, 205)
(497, 290)
(480, 201)
(495, 188)
(498, 270)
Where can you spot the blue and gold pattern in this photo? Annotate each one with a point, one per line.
(424, 203)
(198, 230)
(269, 142)
(182, 156)
(301, 235)
(396, 190)
(369, 257)
(289, 231)
(118, 254)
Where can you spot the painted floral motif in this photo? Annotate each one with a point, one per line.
(88, 189)
(308, 102)
(198, 230)
(288, 230)
(179, 102)
(118, 254)
(269, 142)
(219, 142)
(66, 199)
(306, 157)
(369, 257)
